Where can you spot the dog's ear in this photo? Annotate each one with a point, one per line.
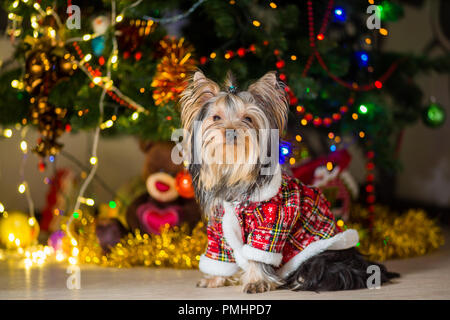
(197, 93)
(270, 95)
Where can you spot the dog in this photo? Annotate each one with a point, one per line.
(266, 230)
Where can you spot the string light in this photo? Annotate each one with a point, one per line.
(383, 32)
(7, 133)
(22, 188)
(363, 109)
(2, 208)
(119, 18)
(273, 5)
(256, 23)
(135, 116)
(23, 146)
(87, 37)
(93, 160)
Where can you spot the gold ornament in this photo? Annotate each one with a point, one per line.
(18, 230)
(171, 72)
(395, 236)
(46, 65)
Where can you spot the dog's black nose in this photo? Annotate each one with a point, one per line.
(230, 136)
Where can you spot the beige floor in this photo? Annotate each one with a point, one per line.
(426, 277)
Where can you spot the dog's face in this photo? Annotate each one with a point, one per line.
(227, 131)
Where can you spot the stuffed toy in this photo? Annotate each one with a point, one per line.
(169, 197)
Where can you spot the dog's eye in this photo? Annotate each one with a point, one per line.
(248, 119)
(216, 118)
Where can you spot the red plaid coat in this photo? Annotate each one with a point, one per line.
(276, 231)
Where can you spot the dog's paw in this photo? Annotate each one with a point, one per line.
(257, 287)
(214, 282)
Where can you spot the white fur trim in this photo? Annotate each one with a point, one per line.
(350, 183)
(322, 176)
(270, 190)
(217, 268)
(233, 234)
(254, 254)
(343, 240)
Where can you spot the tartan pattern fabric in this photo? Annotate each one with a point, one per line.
(287, 223)
(217, 248)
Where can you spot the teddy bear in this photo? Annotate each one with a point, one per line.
(169, 197)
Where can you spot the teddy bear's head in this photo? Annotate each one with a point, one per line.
(160, 172)
(170, 195)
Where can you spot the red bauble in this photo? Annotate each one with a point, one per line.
(183, 184)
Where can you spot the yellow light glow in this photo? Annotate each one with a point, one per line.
(355, 116)
(75, 252)
(11, 16)
(11, 237)
(7, 133)
(86, 37)
(59, 256)
(17, 242)
(384, 32)
(256, 23)
(340, 223)
(291, 161)
(73, 242)
(298, 138)
(24, 146)
(2, 207)
(15, 4)
(273, 5)
(28, 263)
(362, 134)
(212, 55)
(142, 90)
(87, 57)
(93, 160)
(90, 202)
(119, 18)
(114, 59)
(51, 33)
(109, 123)
(31, 221)
(293, 57)
(22, 188)
(368, 41)
(97, 80)
(37, 6)
(72, 260)
(329, 166)
(304, 122)
(15, 83)
(135, 116)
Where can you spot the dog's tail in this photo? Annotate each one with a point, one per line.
(334, 270)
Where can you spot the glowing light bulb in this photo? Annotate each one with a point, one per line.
(87, 57)
(59, 257)
(363, 109)
(75, 251)
(114, 59)
(37, 6)
(24, 146)
(2, 207)
(119, 18)
(329, 166)
(74, 242)
(97, 80)
(31, 221)
(93, 160)
(212, 55)
(273, 5)
(256, 23)
(135, 116)
(87, 37)
(90, 202)
(7, 133)
(15, 4)
(11, 237)
(15, 83)
(22, 188)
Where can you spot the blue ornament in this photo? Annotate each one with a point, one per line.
(98, 45)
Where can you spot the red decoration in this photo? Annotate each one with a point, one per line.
(41, 166)
(280, 64)
(241, 52)
(101, 61)
(183, 184)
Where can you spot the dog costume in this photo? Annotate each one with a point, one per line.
(283, 224)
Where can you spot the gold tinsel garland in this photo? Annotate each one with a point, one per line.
(176, 247)
(393, 236)
(172, 71)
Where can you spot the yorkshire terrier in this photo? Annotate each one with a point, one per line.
(278, 231)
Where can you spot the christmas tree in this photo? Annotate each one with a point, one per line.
(118, 67)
